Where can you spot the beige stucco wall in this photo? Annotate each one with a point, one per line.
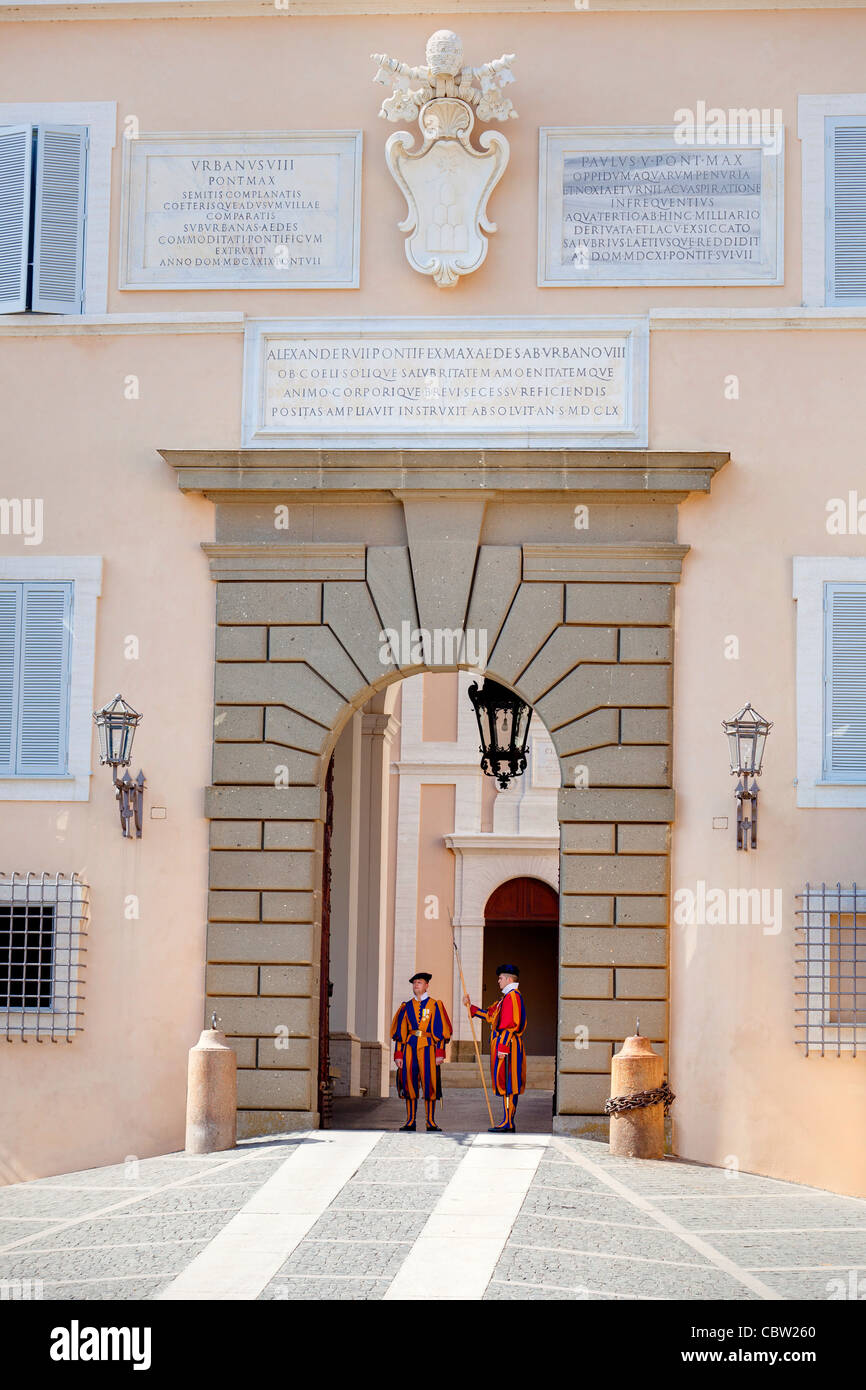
(794, 435)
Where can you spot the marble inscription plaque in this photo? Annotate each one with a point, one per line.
(633, 206)
(450, 382)
(208, 211)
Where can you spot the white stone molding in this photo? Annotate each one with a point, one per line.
(84, 572)
(438, 371)
(159, 168)
(100, 117)
(118, 325)
(811, 573)
(812, 113)
(766, 158)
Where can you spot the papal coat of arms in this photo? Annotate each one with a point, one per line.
(446, 182)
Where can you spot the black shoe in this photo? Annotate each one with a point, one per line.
(435, 1129)
(501, 1129)
(404, 1128)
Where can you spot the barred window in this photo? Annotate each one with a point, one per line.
(43, 920)
(831, 969)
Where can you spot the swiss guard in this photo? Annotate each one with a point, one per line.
(420, 1030)
(507, 1019)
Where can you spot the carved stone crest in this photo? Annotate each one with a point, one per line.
(446, 182)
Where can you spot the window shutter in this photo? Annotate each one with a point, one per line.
(10, 603)
(845, 685)
(846, 202)
(16, 159)
(44, 679)
(58, 238)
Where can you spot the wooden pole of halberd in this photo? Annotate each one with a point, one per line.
(471, 1019)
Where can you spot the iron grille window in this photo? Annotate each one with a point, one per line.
(831, 969)
(43, 920)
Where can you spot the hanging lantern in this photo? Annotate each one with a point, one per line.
(503, 723)
(116, 724)
(747, 734)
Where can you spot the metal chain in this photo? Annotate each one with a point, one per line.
(614, 1104)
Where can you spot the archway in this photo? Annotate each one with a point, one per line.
(434, 548)
(521, 925)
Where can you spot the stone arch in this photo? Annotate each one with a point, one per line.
(581, 630)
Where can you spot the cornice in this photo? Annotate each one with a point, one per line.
(340, 9)
(351, 475)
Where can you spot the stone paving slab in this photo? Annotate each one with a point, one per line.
(588, 1206)
(352, 1257)
(151, 1172)
(93, 1261)
(770, 1210)
(138, 1227)
(328, 1289)
(622, 1276)
(368, 1225)
(769, 1249)
(648, 1241)
(390, 1195)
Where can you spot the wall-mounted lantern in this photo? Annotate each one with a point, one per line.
(747, 734)
(503, 723)
(116, 724)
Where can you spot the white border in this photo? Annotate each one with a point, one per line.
(811, 111)
(101, 119)
(554, 141)
(84, 572)
(633, 328)
(132, 275)
(811, 573)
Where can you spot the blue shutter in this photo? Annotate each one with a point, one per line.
(10, 610)
(16, 157)
(846, 211)
(845, 683)
(58, 237)
(43, 721)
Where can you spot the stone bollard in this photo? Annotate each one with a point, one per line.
(638, 1133)
(211, 1094)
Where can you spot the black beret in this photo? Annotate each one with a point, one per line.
(508, 970)
(421, 975)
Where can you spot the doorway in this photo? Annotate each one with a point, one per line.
(521, 927)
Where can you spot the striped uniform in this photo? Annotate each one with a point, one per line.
(507, 1019)
(420, 1030)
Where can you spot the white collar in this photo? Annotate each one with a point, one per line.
(416, 1000)
(508, 988)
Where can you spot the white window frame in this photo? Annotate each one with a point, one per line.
(811, 129)
(100, 117)
(84, 572)
(811, 573)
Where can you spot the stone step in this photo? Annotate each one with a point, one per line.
(539, 1073)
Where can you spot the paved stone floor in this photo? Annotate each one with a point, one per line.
(367, 1214)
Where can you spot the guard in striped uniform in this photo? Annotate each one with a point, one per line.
(507, 1019)
(420, 1030)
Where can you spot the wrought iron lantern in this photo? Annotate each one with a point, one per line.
(503, 723)
(116, 724)
(747, 735)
